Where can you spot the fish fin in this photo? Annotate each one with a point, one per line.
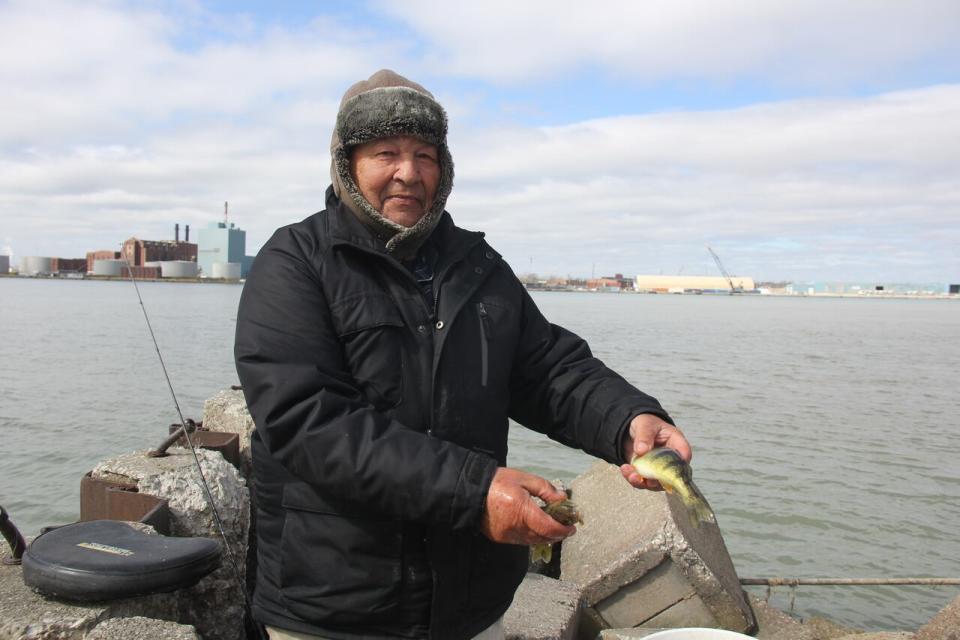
(666, 487)
(698, 507)
(541, 552)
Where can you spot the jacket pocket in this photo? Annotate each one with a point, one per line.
(338, 568)
(371, 330)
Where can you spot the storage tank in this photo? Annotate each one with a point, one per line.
(36, 266)
(226, 270)
(108, 267)
(178, 269)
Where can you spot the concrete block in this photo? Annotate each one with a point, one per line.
(943, 626)
(824, 629)
(227, 412)
(691, 612)
(139, 628)
(774, 624)
(637, 555)
(543, 609)
(215, 605)
(885, 635)
(26, 615)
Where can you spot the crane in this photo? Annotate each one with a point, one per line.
(733, 289)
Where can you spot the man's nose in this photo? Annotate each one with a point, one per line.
(407, 171)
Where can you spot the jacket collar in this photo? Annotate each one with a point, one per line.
(346, 229)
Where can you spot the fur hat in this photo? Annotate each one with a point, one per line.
(385, 105)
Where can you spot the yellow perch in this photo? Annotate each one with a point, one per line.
(564, 512)
(674, 474)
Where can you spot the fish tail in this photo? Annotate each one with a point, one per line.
(697, 506)
(541, 552)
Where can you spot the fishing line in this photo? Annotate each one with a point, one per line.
(196, 458)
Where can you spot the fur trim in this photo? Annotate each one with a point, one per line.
(382, 112)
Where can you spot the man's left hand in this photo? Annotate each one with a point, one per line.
(646, 432)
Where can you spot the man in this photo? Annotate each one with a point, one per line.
(381, 351)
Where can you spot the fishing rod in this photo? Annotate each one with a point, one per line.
(203, 480)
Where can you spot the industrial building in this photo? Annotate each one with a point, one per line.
(681, 284)
(139, 252)
(36, 266)
(4, 264)
(103, 254)
(68, 265)
(225, 244)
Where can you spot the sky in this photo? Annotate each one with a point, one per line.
(803, 141)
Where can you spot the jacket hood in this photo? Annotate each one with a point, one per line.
(386, 105)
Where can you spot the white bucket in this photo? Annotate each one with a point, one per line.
(696, 633)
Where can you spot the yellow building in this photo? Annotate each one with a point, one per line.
(679, 284)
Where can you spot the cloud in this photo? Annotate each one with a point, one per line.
(125, 121)
(817, 41)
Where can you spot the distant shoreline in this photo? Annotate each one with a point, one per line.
(866, 295)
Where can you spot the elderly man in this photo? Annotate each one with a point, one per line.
(382, 351)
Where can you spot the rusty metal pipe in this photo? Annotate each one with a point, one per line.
(12, 534)
(161, 451)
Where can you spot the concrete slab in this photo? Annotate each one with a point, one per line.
(943, 626)
(139, 628)
(543, 609)
(25, 614)
(883, 635)
(776, 625)
(227, 412)
(824, 629)
(637, 555)
(215, 606)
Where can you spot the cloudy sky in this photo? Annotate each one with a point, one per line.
(802, 140)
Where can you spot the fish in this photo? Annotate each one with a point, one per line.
(563, 511)
(674, 474)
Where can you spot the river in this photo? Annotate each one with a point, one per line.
(825, 430)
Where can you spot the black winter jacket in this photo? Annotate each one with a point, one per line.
(380, 422)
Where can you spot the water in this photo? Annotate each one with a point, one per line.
(824, 430)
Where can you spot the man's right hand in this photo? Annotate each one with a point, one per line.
(512, 517)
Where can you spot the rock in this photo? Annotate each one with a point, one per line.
(943, 626)
(139, 628)
(26, 615)
(774, 624)
(215, 605)
(824, 629)
(880, 635)
(641, 562)
(227, 412)
(543, 609)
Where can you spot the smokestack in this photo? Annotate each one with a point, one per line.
(187, 236)
(176, 232)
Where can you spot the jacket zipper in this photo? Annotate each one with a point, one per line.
(484, 344)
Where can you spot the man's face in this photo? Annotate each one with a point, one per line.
(398, 176)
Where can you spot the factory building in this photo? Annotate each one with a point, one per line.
(103, 254)
(680, 284)
(4, 264)
(68, 265)
(139, 252)
(225, 244)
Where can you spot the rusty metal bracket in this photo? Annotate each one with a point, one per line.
(111, 500)
(13, 537)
